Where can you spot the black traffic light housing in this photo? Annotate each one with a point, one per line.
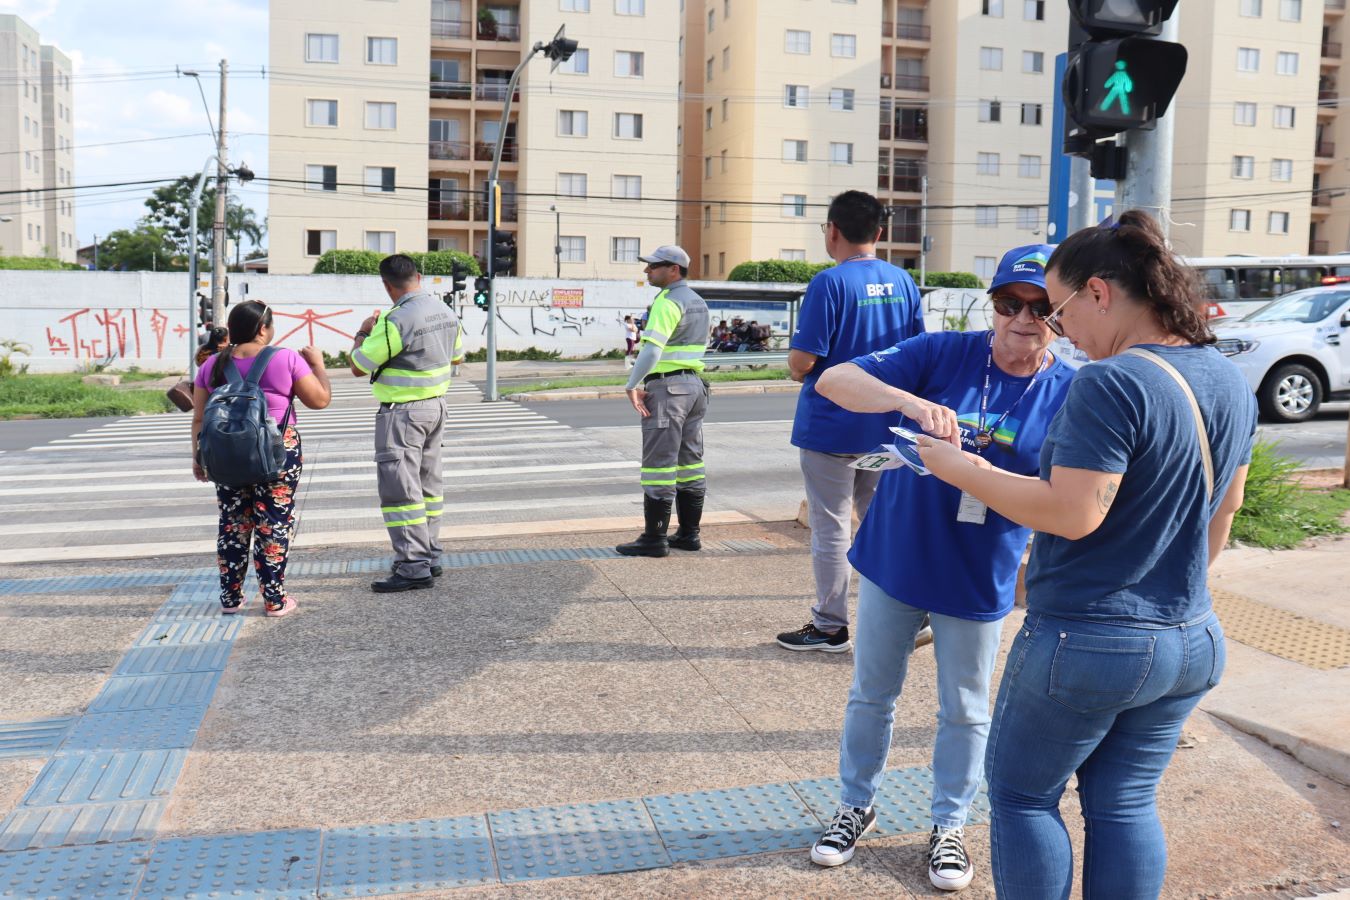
(503, 251)
(458, 276)
(1122, 16)
(482, 292)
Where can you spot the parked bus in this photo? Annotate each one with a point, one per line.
(1242, 284)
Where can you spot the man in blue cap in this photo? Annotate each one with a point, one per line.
(926, 549)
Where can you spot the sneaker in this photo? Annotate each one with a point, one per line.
(835, 846)
(236, 610)
(949, 867)
(924, 637)
(809, 637)
(276, 612)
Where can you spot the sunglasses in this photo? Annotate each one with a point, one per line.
(1010, 306)
(1052, 320)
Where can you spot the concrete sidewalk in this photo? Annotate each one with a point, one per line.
(541, 672)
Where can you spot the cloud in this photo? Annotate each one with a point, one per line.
(34, 12)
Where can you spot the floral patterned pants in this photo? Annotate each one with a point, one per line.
(261, 515)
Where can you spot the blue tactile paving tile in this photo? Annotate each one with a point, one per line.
(130, 692)
(60, 826)
(270, 865)
(319, 567)
(106, 778)
(38, 737)
(162, 660)
(220, 630)
(102, 872)
(732, 822)
(79, 583)
(432, 854)
(903, 802)
(579, 839)
(200, 605)
(141, 729)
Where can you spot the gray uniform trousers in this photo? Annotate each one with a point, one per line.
(672, 436)
(408, 469)
(833, 492)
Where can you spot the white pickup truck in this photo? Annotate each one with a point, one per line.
(1295, 351)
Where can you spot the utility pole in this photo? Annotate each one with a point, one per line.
(1147, 184)
(923, 231)
(95, 253)
(222, 202)
(557, 239)
(1082, 186)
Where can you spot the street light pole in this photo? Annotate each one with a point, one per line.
(557, 238)
(222, 205)
(194, 202)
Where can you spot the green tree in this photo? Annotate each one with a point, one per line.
(168, 209)
(144, 248)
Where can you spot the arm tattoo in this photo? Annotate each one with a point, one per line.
(1106, 496)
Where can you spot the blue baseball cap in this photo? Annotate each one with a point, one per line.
(1022, 264)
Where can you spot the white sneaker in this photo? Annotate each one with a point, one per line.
(835, 847)
(949, 867)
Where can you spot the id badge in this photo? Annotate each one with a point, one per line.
(971, 511)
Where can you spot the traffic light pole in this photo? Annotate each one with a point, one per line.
(1082, 188)
(1147, 184)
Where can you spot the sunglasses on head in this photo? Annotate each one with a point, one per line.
(1010, 306)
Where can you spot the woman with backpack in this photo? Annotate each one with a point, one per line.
(259, 514)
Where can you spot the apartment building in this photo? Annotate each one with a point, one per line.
(37, 152)
(1329, 230)
(385, 116)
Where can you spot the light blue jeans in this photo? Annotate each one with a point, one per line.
(882, 645)
(1107, 702)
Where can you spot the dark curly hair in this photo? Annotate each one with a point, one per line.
(1134, 254)
(247, 320)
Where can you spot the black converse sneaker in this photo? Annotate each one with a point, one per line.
(949, 867)
(835, 846)
(809, 637)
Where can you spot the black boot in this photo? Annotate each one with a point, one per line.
(652, 541)
(689, 505)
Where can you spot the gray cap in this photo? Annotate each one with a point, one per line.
(667, 254)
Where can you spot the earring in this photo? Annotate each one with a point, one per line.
(1100, 311)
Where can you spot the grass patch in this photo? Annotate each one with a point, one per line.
(1278, 513)
(66, 397)
(618, 380)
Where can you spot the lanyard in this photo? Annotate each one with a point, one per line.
(985, 436)
(859, 256)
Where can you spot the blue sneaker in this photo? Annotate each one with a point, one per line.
(809, 637)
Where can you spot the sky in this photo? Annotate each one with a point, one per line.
(134, 118)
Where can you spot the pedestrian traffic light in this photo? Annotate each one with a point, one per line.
(482, 292)
(1116, 80)
(458, 276)
(503, 252)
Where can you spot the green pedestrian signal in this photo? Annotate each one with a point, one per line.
(482, 292)
(1120, 86)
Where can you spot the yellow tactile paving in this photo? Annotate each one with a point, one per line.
(1318, 645)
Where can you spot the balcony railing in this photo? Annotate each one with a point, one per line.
(1321, 197)
(1327, 96)
(482, 151)
(448, 210)
(907, 183)
(509, 210)
(1331, 49)
(489, 30)
(904, 133)
(448, 149)
(913, 32)
(1325, 149)
(904, 82)
(1319, 248)
(904, 234)
(1334, 4)
(451, 90)
(449, 28)
(495, 91)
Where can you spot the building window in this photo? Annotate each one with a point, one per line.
(986, 217)
(1244, 113)
(792, 255)
(1239, 220)
(321, 178)
(1031, 114)
(381, 115)
(382, 51)
(724, 161)
(630, 7)
(1279, 223)
(579, 64)
(721, 263)
(1028, 167)
(794, 151)
(841, 99)
(379, 180)
(986, 164)
(1281, 170)
(794, 206)
(726, 108)
(627, 64)
(317, 243)
(380, 241)
(707, 223)
(1033, 10)
(1250, 8)
(707, 119)
(627, 187)
(726, 58)
(572, 122)
(628, 126)
(844, 46)
(1248, 59)
(572, 184)
(985, 267)
(573, 249)
(575, 5)
(1286, 63)
(321, 48)
(841, 154)
(991, 59)
(1028, 218)
(797, 41)
(1033, 62)
(1291, 10)
(991, 111)
(726, 9)
(624, 249)
(704, 270)
(1284, 117)
(1244, 166)
(321, 113)
(711, 15)
(991, 8)
(707, 167)
(708, 70)
(796, 96)
(722, 212)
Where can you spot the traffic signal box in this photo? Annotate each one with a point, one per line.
(482, 292)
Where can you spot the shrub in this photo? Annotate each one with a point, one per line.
(948, 279)
(367, 262)
(44, 263)
(7, 350)
(778, 271)
(533, 353)
(1276, 512)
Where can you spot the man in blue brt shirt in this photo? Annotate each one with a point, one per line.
(860, 305)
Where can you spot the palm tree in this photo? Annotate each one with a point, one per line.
(239, 223)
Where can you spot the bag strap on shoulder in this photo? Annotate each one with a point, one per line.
(1206, 458)
(260, 362)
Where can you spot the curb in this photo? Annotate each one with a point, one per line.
(613, 393)
(1332, 762)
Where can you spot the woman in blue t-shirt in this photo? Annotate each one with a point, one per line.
(1140, 478)
(924, 549)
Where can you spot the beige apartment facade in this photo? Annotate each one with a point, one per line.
(589, 156)
(37, 151)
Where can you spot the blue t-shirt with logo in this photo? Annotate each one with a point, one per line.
(849, 310)
(910, 543)
(1148, 560)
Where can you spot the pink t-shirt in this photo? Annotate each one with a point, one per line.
(278, 382)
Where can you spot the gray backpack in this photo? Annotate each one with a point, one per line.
(240, 444)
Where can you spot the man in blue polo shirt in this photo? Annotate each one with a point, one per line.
(860, 305)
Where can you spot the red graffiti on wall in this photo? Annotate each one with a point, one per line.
(308, 319)
(159, 324)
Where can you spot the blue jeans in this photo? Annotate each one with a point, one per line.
(882, 644)
(1107, 702)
